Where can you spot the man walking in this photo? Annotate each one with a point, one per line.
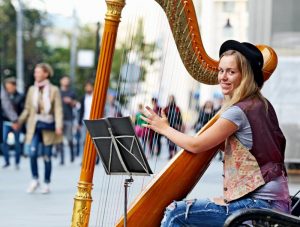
(12, 105)
(68, 102)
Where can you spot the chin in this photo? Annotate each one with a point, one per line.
(226, 92)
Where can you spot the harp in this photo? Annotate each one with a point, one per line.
(185, 170)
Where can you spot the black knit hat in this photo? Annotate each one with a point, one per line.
(251, 53)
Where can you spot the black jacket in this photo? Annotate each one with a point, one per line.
(17, 101)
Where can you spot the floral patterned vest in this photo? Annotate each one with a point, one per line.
(246, 170)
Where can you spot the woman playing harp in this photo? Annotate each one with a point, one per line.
(254, 172)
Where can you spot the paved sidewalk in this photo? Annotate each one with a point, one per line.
(35, 210)
(55, 209)
(19, 209)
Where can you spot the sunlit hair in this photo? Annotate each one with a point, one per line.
(248, 88)
(46, 68)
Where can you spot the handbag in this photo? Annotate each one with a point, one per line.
(41, 125)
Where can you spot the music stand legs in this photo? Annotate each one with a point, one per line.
(126, 185)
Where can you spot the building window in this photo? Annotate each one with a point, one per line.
(228, 7)
(228, 29)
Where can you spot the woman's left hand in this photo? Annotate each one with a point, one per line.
(155, 122)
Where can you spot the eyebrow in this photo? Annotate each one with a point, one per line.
(227, 68)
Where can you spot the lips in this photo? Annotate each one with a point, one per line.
(225, 85)
(226, 88)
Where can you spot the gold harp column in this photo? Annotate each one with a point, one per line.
(83, 197)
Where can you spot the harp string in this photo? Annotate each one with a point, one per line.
(172, 119)
(125, 56)
(117, 181)
(99, 207)
(173, 116)
(161, 73)
(173, 85)
(146, 137)
(187, 38)
(176, 88)
(130, 35)
(104, 218)
(106, 182)
(121, 91)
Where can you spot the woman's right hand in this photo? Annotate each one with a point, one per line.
(155, 122)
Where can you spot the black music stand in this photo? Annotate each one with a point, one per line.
(119, 149)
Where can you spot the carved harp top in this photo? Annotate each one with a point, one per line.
(184, 25)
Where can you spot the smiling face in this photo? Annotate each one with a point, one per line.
(229, 75)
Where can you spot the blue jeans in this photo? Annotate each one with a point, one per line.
(6, 130)
(204, 212)
(46, 152)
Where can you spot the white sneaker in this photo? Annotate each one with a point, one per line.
(33, 186)
(45, 189)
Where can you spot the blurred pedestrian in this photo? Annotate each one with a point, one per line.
(10, 114)
(77, 135)
(205, 114)
(112, 107)
(155, 138)
(174, 116)
(85, 110)
(138, 122)
(43, 115)
(139, 130)
(68, 102)
(9, 111)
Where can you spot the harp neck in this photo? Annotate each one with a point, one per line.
(184, 26)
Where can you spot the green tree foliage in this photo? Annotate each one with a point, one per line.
(36, 27)
(7, 39)
(35, 46)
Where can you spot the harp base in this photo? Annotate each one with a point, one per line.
(82, 205)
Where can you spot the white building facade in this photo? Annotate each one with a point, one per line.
(220, 20)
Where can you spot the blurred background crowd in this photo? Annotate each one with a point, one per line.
(146, 70)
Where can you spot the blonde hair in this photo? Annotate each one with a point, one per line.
(248, 88)
(46, 68)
